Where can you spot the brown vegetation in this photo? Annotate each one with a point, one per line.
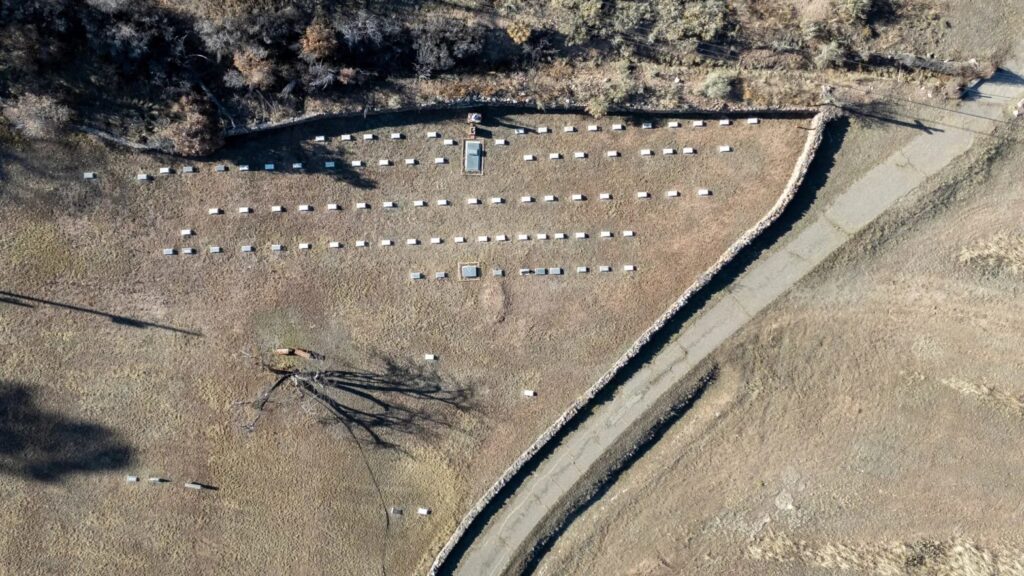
(117, 67)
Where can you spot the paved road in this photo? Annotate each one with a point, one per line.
(774, 273)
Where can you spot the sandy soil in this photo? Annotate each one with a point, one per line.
(868, 423)
(141, 375)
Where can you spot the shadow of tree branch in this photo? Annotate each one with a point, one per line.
(378, 407)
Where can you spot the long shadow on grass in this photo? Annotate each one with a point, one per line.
(30, 301)
(807, 194)
(47, 447)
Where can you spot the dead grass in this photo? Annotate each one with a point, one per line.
(826, 445)
(938, 558)
(999, 254)
(296, 497)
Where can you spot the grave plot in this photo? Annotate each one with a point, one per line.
(518, 287)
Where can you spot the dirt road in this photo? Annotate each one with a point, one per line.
(945, 138)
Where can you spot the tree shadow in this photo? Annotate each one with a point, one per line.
(23, 301)
(46, 446)
(882, 112)
(375, 407)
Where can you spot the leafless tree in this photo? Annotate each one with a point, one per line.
(373, 406)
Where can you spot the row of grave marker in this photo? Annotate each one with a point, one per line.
(384, 162)
(539, 130)
(543, 271)
(249, 248)
(644, 152)
(473, 201)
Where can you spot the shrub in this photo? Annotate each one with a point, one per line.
(829, 55)
(196, 130)
(856, 11)
(37, 116)
(598, 105)
(518, 32)
(318, 41)
(720, 85)
(320, 76)
(578, 20)
(256, 69)
(441, 43)
(706, 20)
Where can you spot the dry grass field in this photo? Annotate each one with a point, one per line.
(120, 360)
(868, 423)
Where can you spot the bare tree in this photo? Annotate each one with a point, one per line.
(372, 406)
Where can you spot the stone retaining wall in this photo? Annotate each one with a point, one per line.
(814, 138)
